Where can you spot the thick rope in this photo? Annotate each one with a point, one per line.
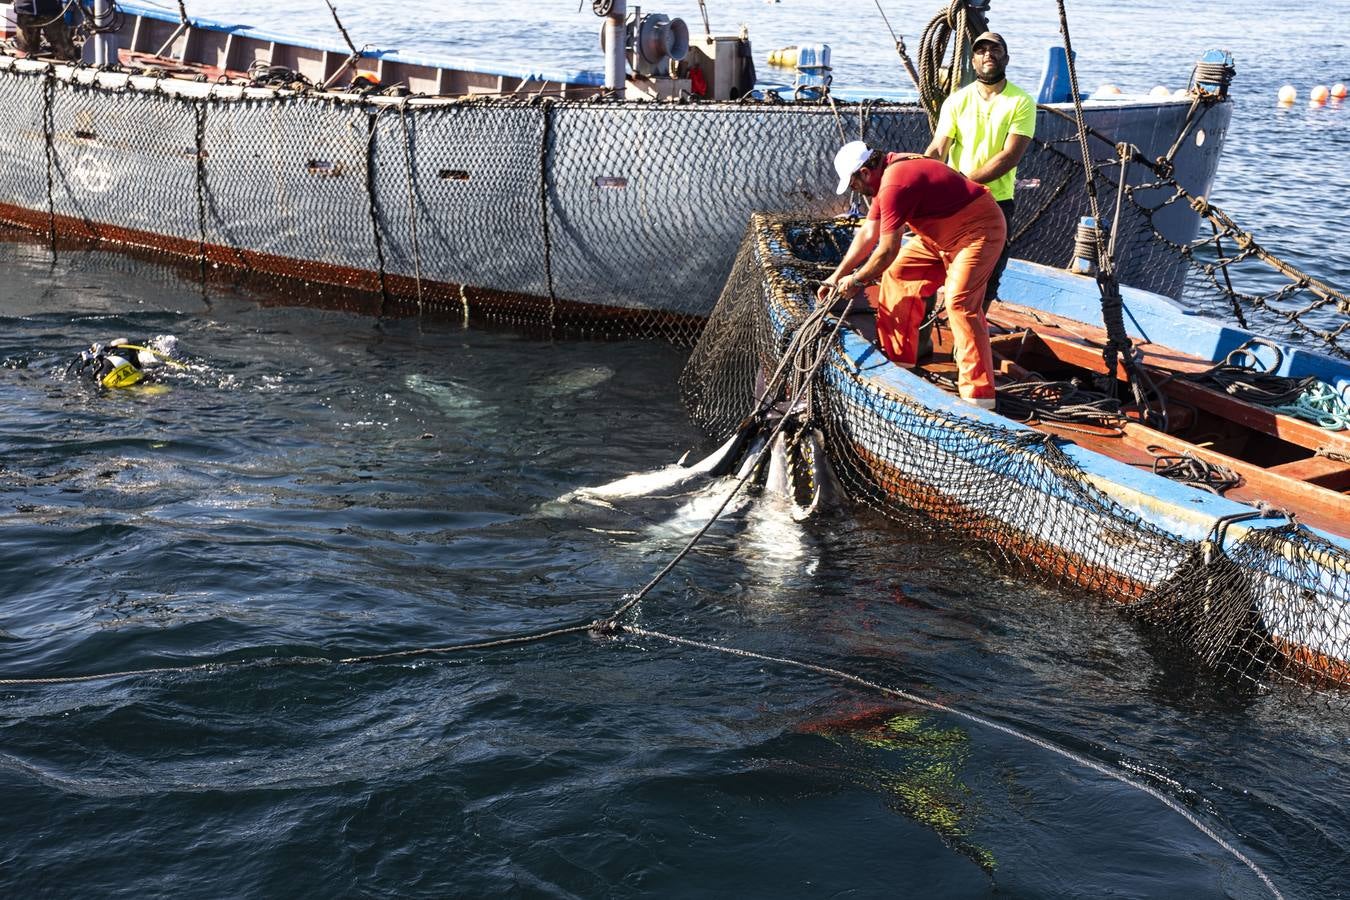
(959, 20)
(1322, 405)
(1243, 375)
(1059, 402)
(1189, 469)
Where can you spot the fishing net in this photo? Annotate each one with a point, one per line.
(1272, 602)
(608, 218)
(622, 219)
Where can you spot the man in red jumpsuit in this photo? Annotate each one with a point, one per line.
(958, 234)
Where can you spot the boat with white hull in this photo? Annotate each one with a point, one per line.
(527, 193)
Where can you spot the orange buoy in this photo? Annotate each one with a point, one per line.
(1319, 94)
(1338, 91)
(1288, 94)
(1107, 90)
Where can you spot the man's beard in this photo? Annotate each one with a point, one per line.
(993, 77)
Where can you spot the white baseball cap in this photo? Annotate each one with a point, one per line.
(848, 160)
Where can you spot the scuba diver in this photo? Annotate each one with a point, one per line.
(120, 363)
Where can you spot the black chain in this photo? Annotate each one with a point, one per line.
(544, 153)
(48, 134)
(199, 109)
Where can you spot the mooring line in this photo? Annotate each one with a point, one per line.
(610, 627)
(272, 661)
(1066, 753)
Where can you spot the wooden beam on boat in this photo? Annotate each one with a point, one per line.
(1330, 473)
(1315, 504)
(1080, 345)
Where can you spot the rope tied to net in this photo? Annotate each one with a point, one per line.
(1118, 349)
(199, 175)
(372, 203)
(807, 349)
(412, 197)
(548, 105)
(1221, 221)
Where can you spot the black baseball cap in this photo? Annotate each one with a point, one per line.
(990, 37)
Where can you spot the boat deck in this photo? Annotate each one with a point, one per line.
(1283, 461)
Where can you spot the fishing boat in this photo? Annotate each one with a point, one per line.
(1245, 559)
(572, 197)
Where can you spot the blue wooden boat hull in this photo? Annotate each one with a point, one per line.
(910, 438)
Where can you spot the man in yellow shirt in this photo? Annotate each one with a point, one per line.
(984, 129)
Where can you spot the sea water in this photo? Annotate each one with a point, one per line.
(313, 486)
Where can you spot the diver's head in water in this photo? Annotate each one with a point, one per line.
(120, 363)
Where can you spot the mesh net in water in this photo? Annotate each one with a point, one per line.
(616, 218)
(1249, 601)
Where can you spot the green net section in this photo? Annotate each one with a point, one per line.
(1273, 603)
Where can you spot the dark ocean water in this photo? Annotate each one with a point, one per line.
(321, 485)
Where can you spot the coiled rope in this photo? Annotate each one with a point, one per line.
(1243, 375)
(1061, 402)
(1189, 469)
(965, 24)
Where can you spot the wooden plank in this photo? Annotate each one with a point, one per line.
(1314, 505)
(1320, 470)
(1078, 348)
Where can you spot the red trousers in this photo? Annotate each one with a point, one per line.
(958, 253)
